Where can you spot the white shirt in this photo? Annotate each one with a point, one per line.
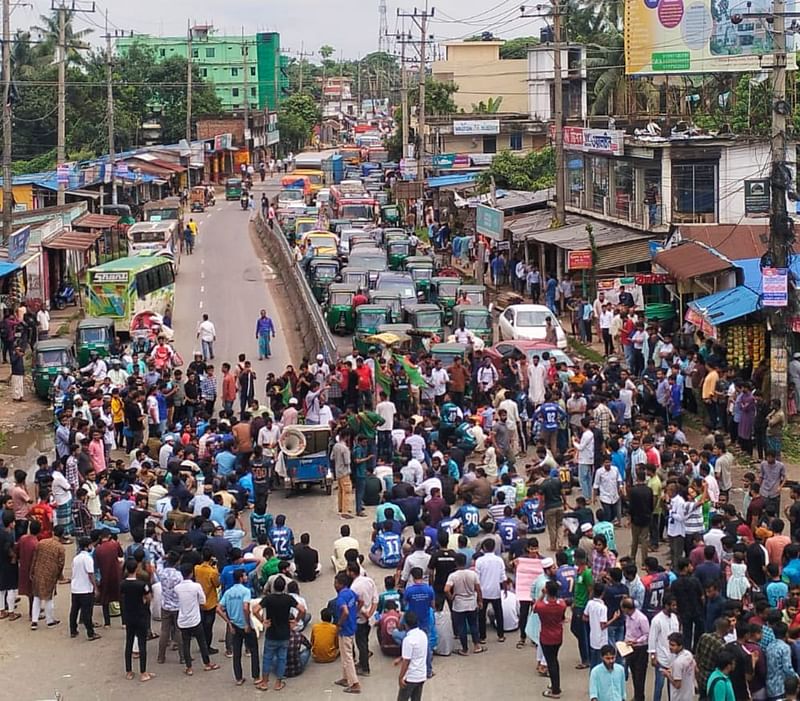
(586, 449)
(510, 605)
(43, 320)
(487, 376)
(597, 613)
(657, 644)
(440, 378)
(82, 570)
(415, 650)
(492, 573)
(607, 482)
(62, 492)
(417, 444)
(606, 318)
(714, 537)
(268, 438)
(206, 331)
(190, 599)
(462, 335)
(428, 485)
(386, 410)
(412, 472)
(713, 488)
(364, 588)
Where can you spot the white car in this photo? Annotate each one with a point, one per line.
(526, 322)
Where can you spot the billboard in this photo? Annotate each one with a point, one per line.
(699, 36)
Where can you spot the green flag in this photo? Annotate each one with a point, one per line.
(286, 393)
(412, 371)
(382, 379)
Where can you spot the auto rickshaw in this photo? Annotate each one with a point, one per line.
(303, 225)
(233, 189)
(476, 294)
(304, 453)
(322, 271)
(336, 225)
(448, 352)
(94, 335)
(368, 318)
(403, 332)
(428, 318)
(390, 299)
(421, 269)
(398, 250)
(197, 198)
(443, 292)
(476, 318)
(357, 276)
(390, 214)
(339, 312)
(51, 355)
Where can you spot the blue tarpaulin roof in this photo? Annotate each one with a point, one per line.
(450, 180)
(7, 267)
(727, 305)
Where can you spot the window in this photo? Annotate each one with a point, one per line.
(515, 142)
(253, 71)
(195, 53)
(252, 92)
(234, 72)
(623, 189)
(575, 180)
(162, 52)
(204, 72)
(254, 105)
(598, 183)
(694, 188)
(210, 53)
(490, 144)
(235, 92)
(153, 279)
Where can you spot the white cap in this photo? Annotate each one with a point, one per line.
(586, 527)
(320, 356)
(547, 563)
(292, 401)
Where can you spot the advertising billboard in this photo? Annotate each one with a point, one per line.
(699, 36)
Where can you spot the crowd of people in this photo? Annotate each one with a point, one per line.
(159, 495)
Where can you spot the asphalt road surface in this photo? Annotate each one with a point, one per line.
(227, 279)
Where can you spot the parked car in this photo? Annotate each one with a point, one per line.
(526, 322)
(504, 349)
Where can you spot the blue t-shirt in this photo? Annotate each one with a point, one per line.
(121, 510)
(507, 528)
(219, 513)
(282, 540)
(565, 576)
(792, 571)
(550, 414)
(532, 509)
(226, 576)
(419, 598)
(347, 624)
(470, 518)
(390, 547)
(233, 602)
(776, 593)
(225, 462)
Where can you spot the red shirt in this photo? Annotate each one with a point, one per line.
(43, 513)
(228, 387)
(627, 327)
(551, 615)
(364, 375)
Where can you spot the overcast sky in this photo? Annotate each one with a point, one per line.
(350, 26)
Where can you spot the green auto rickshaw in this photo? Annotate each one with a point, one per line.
(94, 335)
(390, 214)
(443, 292)
(403, 332)
(51, 355)
(448, 352)
(390, 299)
(427, 318)
(368, 318)
(356, 275)
(339, 313)
(476, 318)
(233, 188)
(398, 250)
(322, 272)
(421, 269)
(474, 294)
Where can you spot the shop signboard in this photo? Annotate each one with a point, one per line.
(605, 141)
(756, 197)
(18, 243)
(579, 260)
(476, 127)
(62, 174)
(700, 322)
(774, 287)
(489, 222)
(701, 36)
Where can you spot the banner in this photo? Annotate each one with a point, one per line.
(775, 287)
(699, 36)
(474, 127)
(62, 174)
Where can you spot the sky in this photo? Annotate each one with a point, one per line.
(350, 26)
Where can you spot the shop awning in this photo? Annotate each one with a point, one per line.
(620, 255)
(97, 221)
(691, 260)
(451, 180)
(727, 305)
(7, 267)
(72, 240)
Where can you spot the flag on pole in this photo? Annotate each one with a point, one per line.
(286, 393)
(412, 371)
(382, 380)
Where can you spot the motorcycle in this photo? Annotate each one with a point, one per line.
(64, 296)
(245, 201)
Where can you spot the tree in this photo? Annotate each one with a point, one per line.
(491, 106)
(438, 97)
(48, 33)
(533, 171)
(518, 47)
(296, 117)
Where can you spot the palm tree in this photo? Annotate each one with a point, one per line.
(48, 36)
(24, 60)
(607, 72)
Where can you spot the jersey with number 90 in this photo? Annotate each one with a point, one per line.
(471, 519)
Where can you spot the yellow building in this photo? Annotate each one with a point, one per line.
(480, 74)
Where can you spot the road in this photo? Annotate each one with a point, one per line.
(226, 279)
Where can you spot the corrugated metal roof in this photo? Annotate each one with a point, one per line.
(97, 221)
(727, 305)
(690, 260)
(451, 180)
(622, 254)
(731, 240)
(72, 240)
(573, 236)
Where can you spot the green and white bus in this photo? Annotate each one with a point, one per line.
(123, 288)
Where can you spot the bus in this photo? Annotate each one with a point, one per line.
(151, 235)
(122, 288)
(168, 208)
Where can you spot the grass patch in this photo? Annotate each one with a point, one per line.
(585, 352)
(790, 449)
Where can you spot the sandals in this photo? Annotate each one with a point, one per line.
(352, 690)
(146, 677)
(550, 694)
(520, 644)
(280, 684)
(188, 671)
(463, 653)
(130, 676)
(582, 665)
(14, 616)
(210, 667)
(341, 682)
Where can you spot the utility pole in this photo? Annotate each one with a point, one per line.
(245, 49)
(8, 192)
(404, 96)
(189, 60)
(420, 19)
(558, 111)
(112, 157)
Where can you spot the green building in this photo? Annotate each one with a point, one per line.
(242, 68)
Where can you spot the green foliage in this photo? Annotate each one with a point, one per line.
(491, 106)
(518, 47)
(438, 97)
(534, 171)
(297, 116)
(394, 145)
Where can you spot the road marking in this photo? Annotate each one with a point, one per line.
(219, 209)
(202, 275)
(202, 261)
(202, 288)
(201, 304)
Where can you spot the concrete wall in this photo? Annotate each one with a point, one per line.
(749, 161)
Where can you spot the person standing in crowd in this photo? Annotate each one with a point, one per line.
(83, 588)
(551, 611)
(190, 600)
(265, 332)
(234, 609)
(346, 622)
(607, 680)
(207, 334)
(412, 660)
(135, 609)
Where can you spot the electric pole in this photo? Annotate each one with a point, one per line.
(404, 96)
(189, 59)
(8, 192)
(558, 112)
(420, 19)
(245, 49)
(112, 157)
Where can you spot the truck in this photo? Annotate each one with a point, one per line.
(333, 169)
